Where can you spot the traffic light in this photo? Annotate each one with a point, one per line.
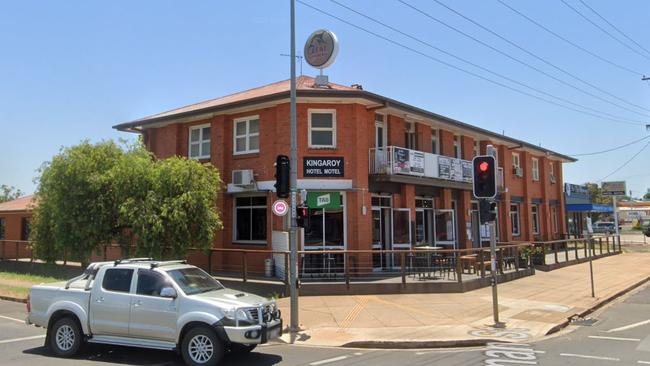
(484, 176)
(487, 211)
(282, 170)
(301, 217)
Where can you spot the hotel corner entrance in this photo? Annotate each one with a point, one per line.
(391, 229)
(324, 230)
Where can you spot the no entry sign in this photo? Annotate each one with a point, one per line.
(280, 207)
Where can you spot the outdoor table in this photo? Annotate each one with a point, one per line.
(428, 248)
(468, 262)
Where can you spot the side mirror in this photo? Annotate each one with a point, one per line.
(168, 292)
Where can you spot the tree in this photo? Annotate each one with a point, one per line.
(646, 196)
(9, 193)
(93, 195)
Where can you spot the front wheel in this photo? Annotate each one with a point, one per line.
(65, 337)
(202, 347)
(239, 348)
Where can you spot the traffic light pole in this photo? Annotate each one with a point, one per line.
(293, 242)
(493, 267)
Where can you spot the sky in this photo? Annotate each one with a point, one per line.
(70, 70)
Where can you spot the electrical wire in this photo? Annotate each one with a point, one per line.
(613, 26)
(603, 30)
(613, 117)
(537, 56)
(428, 15)
(396, 43)
(548, 30)
(612, 149)
(626, 163)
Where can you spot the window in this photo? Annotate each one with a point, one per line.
(150, 282)
(514, 219)
(458, 151)
(516, 166)
(26, 228)
(554, 219)
(477, 148)
(410, 137)
(194, 281)
(2, 229)
(250, 219)
(435, 144)
(535, 169)
(322, 128)
(246, 135)
(117, 279)
(535, 219)
(551, 172)
(199, 142)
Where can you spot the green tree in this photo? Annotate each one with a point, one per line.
(9, 193)
(646, 196)
(93, 195)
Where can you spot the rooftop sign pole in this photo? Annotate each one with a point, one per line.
(293, 242)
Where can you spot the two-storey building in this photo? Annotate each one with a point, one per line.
(375, 173)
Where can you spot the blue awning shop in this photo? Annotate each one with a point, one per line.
(579, 206)
(589, 207)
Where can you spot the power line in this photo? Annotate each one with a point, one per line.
(603, 30)
(626, 163)
(632, 71)
(529, 53)
(448, 64)
(613, 26)
(613, 117)
(612, 149)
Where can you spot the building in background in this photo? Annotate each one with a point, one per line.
(15, 218)
(579, 206)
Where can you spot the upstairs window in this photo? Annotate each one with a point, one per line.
(551, 172)
(199, 142)
(410, 137)
(514, 219)
(322, 128)
(247, 135)
(477, 148)
(535, 168)
(435, 144)
(516, 166)
(458, 151)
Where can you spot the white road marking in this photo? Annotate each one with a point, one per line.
(14, 319)
(616, 338)
(629, 326)
(644, 362)
(322, 362)
(590, 357)
(22, 339)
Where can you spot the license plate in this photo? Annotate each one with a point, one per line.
(274, 333)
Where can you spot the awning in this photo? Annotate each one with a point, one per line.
(588, 207)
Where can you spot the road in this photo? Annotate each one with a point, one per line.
(620, 336)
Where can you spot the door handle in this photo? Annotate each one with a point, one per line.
(101, 299)
(137, 303)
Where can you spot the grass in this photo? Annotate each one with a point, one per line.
(18, 284)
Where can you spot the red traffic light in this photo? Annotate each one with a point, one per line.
(484, 166)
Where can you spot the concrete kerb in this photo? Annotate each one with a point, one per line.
(14, 299)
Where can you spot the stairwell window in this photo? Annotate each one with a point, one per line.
(514, 219)
(535, 164)
(246, 135)
(199, 145)
(322, 128)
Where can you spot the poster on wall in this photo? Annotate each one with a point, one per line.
(467, 170)
(444, 167)
(401, 160)
(456, 170)
(417, 162)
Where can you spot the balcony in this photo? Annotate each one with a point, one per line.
(398, 164)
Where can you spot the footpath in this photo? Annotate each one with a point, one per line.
(531, 307)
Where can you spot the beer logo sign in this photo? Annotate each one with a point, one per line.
(321, 48)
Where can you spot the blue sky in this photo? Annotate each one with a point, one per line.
(70, 70)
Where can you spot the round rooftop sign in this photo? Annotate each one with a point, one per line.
(321, 48)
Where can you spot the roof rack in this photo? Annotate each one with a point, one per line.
(131, 260)
(167, 263)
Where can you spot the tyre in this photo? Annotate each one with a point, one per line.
(202, 347)
(241, 349)
(65, 337)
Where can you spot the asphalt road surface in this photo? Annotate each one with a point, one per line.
(619, 336)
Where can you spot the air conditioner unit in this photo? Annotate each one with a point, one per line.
(243, 178)
(552, 179)
(517, 171)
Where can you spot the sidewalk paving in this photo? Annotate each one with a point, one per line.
(530, 307)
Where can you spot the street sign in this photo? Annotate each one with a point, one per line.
(614, 188)
(280, 207)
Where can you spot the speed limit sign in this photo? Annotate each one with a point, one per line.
(280, 207)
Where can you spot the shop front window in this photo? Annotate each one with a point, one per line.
(324, 229)
(401, 228)
(444, 221)
(250, 219)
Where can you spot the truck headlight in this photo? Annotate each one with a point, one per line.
(239, 314)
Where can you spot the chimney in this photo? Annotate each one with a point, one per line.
(357, 86)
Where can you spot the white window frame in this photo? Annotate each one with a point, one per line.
(458, 147)
(251, 207)
(518, 217)
(247, 135)
(551, 171)
(535, 168)
(554, 214)
(201, 141)
(435, 137)
(477, 148)
(332, 129)
(534, 214)
(518, 164)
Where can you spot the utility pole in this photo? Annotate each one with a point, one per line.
(293, 242)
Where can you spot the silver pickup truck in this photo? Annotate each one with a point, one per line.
(160, 305)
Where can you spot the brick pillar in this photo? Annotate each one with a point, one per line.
(446, 142)
(396, 129)
(423, 133)
(464, 204)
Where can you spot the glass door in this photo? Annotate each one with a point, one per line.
(401, 234)
(324, 229)
(424, 232)
(445, 228)
(381, 230)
